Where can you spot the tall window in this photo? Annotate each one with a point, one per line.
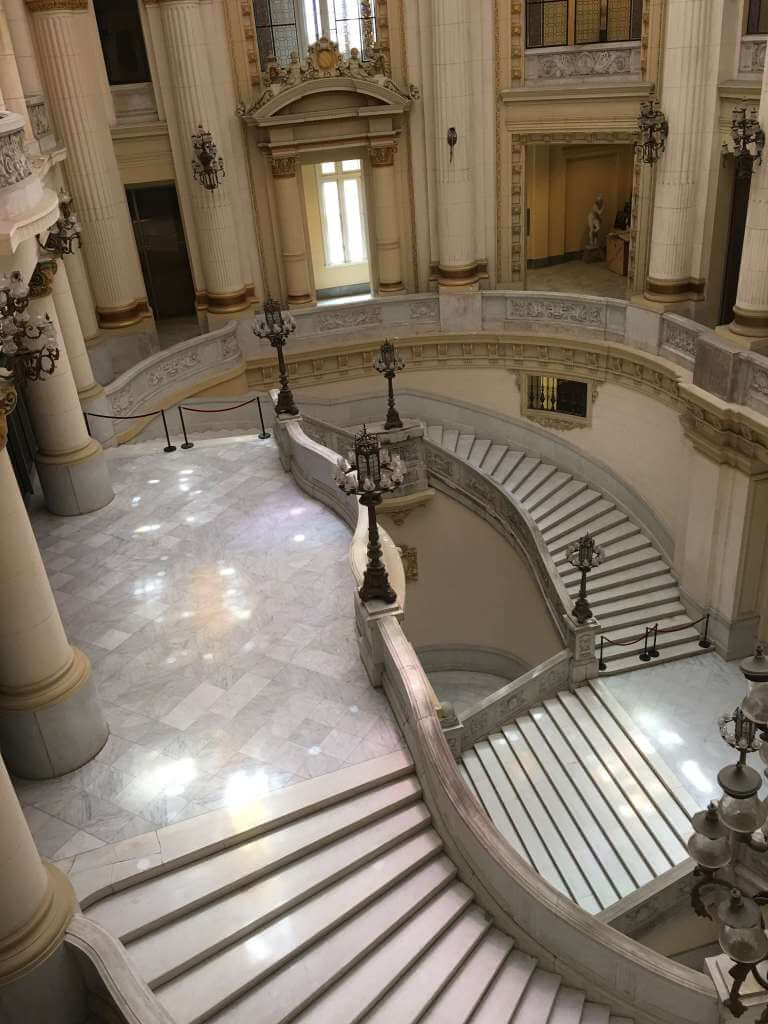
(577, 22)
(340, 186)
(757, 18)
(285, 26)
(122, 41)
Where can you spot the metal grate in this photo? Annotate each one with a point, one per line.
(555, 394)
(594, 21)
(276, 30)
(546, 23)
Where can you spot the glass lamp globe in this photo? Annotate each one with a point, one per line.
(709, 845)
(740, 809)
(741, 936)
(755, 704)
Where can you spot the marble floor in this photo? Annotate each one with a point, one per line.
(577, 277)
(214, 601)
(676, 706)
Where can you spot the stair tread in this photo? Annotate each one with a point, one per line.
(464, 445)
(162, 953)
(506, 990)
(450, 438)
(637, 557)
(627, 543)
(423, 983)
(568, 491)
(655, 786)
(664, 622)
(544, 820)
(546, 489)
(520, 473)
(595, 1013)
(540, 475)
(493, 458)
(133, 910)
(624, 580)
(507, 464)
(568, 1006)
(610, 520)
(562, 817)
(633, 664)
(579, 808)
(459, 999)
(584, 508)
(642, 600)
(630, 620)
(586, 496)
(231, 974)
(491, 803)
(633, 791)
(478, 452)
(538, 998)
(665, 644)
(596, 802)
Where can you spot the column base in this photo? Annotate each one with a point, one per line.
(465, 276)
(34, 969)
(749, 342)
(77, 482)
(56, 728)
(123, 316)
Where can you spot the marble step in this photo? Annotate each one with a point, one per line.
(636, 619)
(264, 979)
(616, 541)
(501, 1002)
(594, 1013)
(552, 485)
(435, 433)
(568, 1007)
(520, 473)
(538, 998)
(167, 951)
(539, 476)
(134, 911)
(464, 445)
(507, 465)
(621, 580)
(493, 458)
(633, 663)
(639, 556)
(664, 642)
(479, 451)
(450, 439)
(656, 586)
(464, 992)
(612, 520)
(580, 511)
(569, 490)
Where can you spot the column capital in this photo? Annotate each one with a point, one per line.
(48, 6)
(283, 166)
(7, 405)
(383, 155)
(41, 281)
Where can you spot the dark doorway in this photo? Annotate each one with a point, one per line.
(122, 41)
(738, 223)
(162, 249)
(22, 447)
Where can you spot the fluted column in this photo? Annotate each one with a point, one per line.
(71, 465)
(10, 82)
(451, 24)
(684, 167)
(82, 295)
(64, 37)
(71, 332)
(386, 219)
(293, 237)
(193, 101)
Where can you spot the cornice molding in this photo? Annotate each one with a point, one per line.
(52, 6)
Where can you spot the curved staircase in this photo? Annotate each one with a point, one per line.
(347, 911)
(632, 589)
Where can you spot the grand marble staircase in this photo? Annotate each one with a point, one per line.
(632, 589)
(348, 911)
(581, 795)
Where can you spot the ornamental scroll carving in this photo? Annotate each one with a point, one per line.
(382, 156)
(283, 166)
(584, 314)
(14, 166)
(679, 338)
(342, 318)
(46, 6)
(759, 384)
(752, 56)
(38, 118)
(7, 405)
(427, 311)
(590, 63)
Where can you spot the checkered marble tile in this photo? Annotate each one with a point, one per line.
(214, 601)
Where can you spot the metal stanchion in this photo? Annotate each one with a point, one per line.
(264, 432)
(705, 642)
(87, 424)
(653, 649)
(187, 442)
(646, 654)
(601, 662)
(169, 447)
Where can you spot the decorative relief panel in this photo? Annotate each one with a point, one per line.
(340, 319)
(569, 311)
(589, 63)
(426, 311)
(681, 339)
(14, 166)
(752, 56)
(38, 117)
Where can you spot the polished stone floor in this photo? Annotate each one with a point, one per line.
(214, 600)
(579, 278)
(677, 707)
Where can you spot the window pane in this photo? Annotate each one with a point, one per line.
(312, 20)
(329, 168)
(334, 244)
(350, 165)
(122, 41)
(588, 21)
(546, 23)
(354, 215)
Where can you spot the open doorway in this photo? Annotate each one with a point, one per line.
(335, 201)
(578, 223)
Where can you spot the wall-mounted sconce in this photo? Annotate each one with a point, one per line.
(207, 166)
(653, 129)
(748, 140)
(452, 138)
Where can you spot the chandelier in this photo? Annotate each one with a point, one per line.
(207, 166)
(747, 142)
(27, 349)
(66, 231)
(653, 129)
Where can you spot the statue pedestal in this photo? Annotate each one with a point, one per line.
(596, 255)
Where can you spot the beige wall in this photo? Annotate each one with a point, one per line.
(473, 589)
(562, 184)
(325, 277)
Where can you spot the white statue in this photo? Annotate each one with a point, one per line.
(595, 221)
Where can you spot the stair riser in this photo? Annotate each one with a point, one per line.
(615, 520)
(665, 646)
(569, 513)
(543, 493)
(666, 657)
(534, 481)
(554, 502)
(641, 589)
(637, 543)
(579, 521)
(603, 584)
(643, 556)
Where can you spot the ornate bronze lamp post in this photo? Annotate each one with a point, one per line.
(584, 555)
(389, 363)
(275, 325)
(370, 472)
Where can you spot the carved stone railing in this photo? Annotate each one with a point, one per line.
(752, 56)
(173, 374)
(608, 63)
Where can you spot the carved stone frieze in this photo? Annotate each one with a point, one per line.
(681, 339)
(587, 63)
(339, 319)
(759, 383)
(14, 166)
(752, 56)
(38, 117)
(426, 311)
(382, 156)
(283, 166)
(48, 6)
(410, 560)
(570, 311)
(554, 422)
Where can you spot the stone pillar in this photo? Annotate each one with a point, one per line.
(64, 36)
(82, 295)
(386, 219)
(455, 199)
(71, 465)
(50, 718)
(194, 104)
(10, 82)
(289, 200)
(38, 903)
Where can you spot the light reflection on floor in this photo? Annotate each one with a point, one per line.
(222, 643)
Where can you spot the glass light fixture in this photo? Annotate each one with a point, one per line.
(274, 325)
(741, 935)
(27, 342)
(65, 233)
(207, 165)
(709, 845)
(389, 363)
(584, 555)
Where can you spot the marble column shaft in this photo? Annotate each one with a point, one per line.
(386, 219)
(455, 199)
(10, 81)
(64, 38)
(23, 47)
(71, 331)
(189, 61)
(289, 200)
